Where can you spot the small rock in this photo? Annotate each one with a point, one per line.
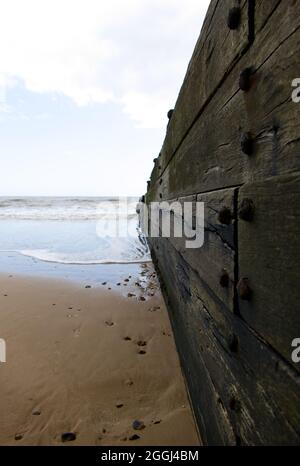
(119, 405)
(126, 280)
(68, 437)
(18, 437)
(142, 298)
(141, 343)
(36, 413)
(127, 338)
(88, 286)
(134, 437)
(138, 425)
(128, 382)
(109, 323)
(104, 283)
(157, 422)
(142, 352)
(130, 295)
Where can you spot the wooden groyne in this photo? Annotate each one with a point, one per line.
(233, 142)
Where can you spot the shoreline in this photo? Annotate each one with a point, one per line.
(90, 360)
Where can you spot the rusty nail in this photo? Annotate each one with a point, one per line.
(245, 79)
(234, 17)
(170, 113)
(224, 279)
(247, 143)
(244, 289)
(225, 216)
(234, 344)
(246, 210)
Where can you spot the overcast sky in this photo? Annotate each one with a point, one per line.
(85, 86)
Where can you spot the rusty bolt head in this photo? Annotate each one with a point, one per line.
(170, 113)
(247, 143)
(224, 279)
(234, 17)
(225, 216)
(246, 210)
(244, 290)
(245, 79)
(233, 343)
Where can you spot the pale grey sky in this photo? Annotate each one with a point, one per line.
(85, 86)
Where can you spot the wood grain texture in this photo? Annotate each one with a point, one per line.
(210, 157)
(215, 258)
(269, 256)
(217, 50)
(252, 395)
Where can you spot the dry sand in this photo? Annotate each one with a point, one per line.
(89, 361)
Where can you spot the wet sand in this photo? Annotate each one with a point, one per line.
(89, 360)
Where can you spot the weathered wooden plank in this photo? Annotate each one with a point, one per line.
(213, 421)
(214, 260)
(216, 51)
(210, 157)
(252, 394)
(263, 11)
(269, 257)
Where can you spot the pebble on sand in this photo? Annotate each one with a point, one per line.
(128, 382)
(88, 286)
(18, 437)
(134, 437)
(68, 437)
(119, 405)
(130, 295)
(138, 425)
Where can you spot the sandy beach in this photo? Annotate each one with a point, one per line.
(89, 361)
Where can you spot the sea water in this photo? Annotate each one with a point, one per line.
(71, 230)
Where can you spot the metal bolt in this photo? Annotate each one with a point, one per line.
(244, 290)
(225, 216)
(234, 17)
(247, 143)
(170, 113)
(245, 79)
(246, 210)
(224, 279)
